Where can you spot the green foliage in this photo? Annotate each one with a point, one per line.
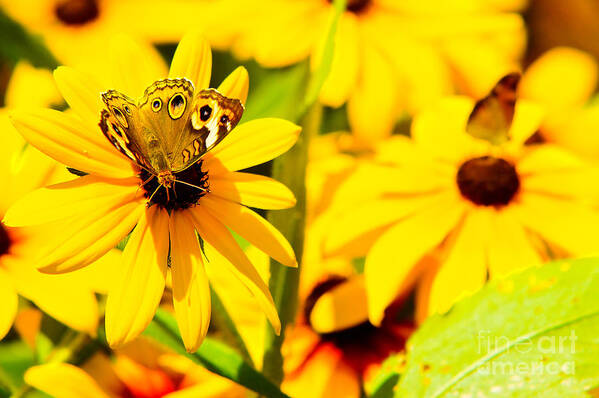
(213, 355)
(18, 44)
(532, 334)
(15, 358)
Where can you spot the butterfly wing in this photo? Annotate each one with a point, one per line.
(212, 117)
(165, 108)
(492, 116)
(121, 124)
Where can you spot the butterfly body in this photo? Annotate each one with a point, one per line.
(170, 127)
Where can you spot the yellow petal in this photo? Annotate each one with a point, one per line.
(375, 94)
(216, 234)
(441, 129)
(193, 60)
(9, 298)
(191, 291)
(253, 143)
(344, 69)
(567, 224)
(527, 120)
(252, 190)
(100, 274)
(81, 92)
(548, 158)
(390, 267)
(30, 87)
(464, 271)
(60, 296)
(371, 218)
(572, 132)
(325, 374)
(509, 247)
(281, 41)
(252, 228)
(134, 66)
(236, 85)
(81, 241)
(135, 295)
(562, 77)
(479, 73)
(60, 201)
(70, 141)
(74, 382)
(341, 307)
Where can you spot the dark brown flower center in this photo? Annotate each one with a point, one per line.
(5, 241)
(189, 186)
(488, 181)
(365, 344)
(77, 12)
(356, 6)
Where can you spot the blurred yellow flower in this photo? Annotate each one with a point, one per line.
(68, 298)
(456, 210)
(93, 213)
(390, 56)
(563, 80)
(75, 31)
(140, 370)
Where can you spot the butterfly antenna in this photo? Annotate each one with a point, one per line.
(156, 190)
(191, 185)
(144, 183)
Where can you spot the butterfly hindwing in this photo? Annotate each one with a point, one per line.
(121, 125)
(492, 116)
(212, 117)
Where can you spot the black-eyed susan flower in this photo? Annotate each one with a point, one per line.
(93, 213)
(68, 298)
(390, 56)
(457, 210)
(75, 31)
(141, 370)
(563, 80)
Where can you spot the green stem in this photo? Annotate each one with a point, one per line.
(290, 169)
(221, 317)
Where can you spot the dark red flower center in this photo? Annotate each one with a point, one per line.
(356, 6)
(365, 344)
(77, 12)
(5, 240)
(189, 186)
(488, 181)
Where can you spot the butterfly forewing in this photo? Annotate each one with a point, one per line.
(212, 117)
(492, 116)
(169, 128)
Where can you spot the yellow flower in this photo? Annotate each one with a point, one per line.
(563, 80)
(68, 298)
(141, 370)
(75, 31)
(390, 56)
(454, 209)
(93, 213)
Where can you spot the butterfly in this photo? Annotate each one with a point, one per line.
(492, 116)
(170, 127)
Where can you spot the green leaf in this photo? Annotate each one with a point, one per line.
(221, 317)
(15, 358)
(326, 60)
(213, 355)
(384, 382)
(276, 92)
(18, 43)
(532, 334)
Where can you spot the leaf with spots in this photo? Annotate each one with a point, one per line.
(531, 334)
